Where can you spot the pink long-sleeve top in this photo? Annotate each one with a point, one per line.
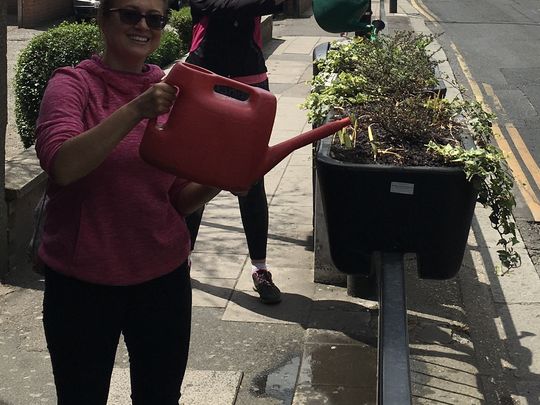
(118, 224)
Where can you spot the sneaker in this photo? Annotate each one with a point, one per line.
(264, 285)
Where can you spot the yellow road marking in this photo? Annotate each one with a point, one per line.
(524, 152)
(428, 15)
(517, 139)
(520, 177)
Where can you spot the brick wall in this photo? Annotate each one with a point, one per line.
(38, 12)
(12, 6)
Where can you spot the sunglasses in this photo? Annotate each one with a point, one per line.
(132, 17)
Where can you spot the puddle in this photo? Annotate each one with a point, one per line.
(339, 375)
(279, 383)
(333, 374)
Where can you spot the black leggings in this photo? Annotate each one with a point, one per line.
(253, 206)
(83, 323)
(254, 213)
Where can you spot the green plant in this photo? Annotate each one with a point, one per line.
(181, 22)
(487, 168)
(168, 51)
(386, 85)
(64, 45)
(362, 70)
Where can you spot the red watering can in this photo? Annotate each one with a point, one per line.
(217, 140)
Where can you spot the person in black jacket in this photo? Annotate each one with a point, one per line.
(227, 41)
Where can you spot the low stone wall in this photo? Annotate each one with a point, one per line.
(25, 184)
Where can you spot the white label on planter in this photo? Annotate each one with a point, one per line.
(402, 188)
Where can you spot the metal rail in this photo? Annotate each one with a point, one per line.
(393, 370)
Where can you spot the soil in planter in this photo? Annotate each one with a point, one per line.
(403, 146)
(406, 152)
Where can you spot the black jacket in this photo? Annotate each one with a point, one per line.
(228, 47)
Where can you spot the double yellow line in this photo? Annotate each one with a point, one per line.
(519, 167)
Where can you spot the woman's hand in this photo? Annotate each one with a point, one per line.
(81, 154)
(155, 101)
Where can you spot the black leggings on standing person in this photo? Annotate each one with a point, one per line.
(83, 323)
(253, 206)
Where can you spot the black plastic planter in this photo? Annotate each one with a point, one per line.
(369, 208)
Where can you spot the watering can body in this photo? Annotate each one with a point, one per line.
(213, 139)
(341, 15)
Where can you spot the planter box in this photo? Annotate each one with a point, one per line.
(369, 208)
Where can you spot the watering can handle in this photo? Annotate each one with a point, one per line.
(175, 74)
(174, 79)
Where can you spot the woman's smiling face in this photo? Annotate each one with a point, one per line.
(127, 45)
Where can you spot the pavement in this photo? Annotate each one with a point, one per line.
(474, 339)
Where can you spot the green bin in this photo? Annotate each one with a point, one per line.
(341, 15)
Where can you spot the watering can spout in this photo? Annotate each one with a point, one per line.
(278, 152)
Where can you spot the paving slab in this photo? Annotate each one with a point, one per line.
(290, 89)
(290, 257)
(330, 374)
(443, 371)
(211, 265)
(280, 71)
(199, 387)
(521, 324)
(332, 292)
(244, 307)
(482, 233)
(521, 285)
(211, 292)
(302, 45)
(282, 133)
(528, 392)
(291, 117)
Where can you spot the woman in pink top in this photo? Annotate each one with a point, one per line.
(114, 224)
(227, 40)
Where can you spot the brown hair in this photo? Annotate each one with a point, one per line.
(105, 5)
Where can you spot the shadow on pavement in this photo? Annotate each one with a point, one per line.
(501, 358)
(23, 276)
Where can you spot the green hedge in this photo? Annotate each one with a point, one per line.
(64, 45)
(181, 22)
(169, 49)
